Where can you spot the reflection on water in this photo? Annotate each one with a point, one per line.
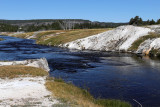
(104, 74)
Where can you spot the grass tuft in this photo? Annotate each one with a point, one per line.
(20, 71)
(112, 103)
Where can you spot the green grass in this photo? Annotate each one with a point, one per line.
(112, 103)
(20, 71)
(74, 96)
(154, 53)
(137, 43)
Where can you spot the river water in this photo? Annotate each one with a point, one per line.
(105, 74)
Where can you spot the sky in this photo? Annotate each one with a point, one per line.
(94, 10)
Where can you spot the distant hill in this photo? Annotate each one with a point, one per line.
(51, 21)
(55, 24)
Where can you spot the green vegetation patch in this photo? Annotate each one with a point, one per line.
(154, 53)
(68, 93)
(137, 43)
(20, 71)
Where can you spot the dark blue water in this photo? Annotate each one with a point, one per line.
(105, 74)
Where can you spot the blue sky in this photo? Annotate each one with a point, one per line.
(95, 10)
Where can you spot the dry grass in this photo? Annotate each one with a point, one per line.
(20, 71)
(79, 97)
(24, 35)
(68, 36)
(44, 34)
(57, 37)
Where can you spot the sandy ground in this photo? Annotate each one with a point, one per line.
(28, 91)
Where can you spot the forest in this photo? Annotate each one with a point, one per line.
(65, 24)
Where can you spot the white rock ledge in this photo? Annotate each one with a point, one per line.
(38, 63)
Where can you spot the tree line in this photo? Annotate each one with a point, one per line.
(67, 24)
(61, 26)
(139, 21)
(8, 28)
(55, 25)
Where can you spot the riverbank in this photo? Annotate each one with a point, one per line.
(24, 86)
(28, 86)
(74, 96)
(134, 39)
(140, 40)
(56, 37)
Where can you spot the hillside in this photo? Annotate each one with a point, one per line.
(57, 37)
(124, 38)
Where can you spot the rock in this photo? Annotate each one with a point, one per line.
(38, 63)
(148, 45)
(155, 44)
(145, 46)
(120, 38)
(156, 28)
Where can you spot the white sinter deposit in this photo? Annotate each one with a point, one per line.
(120, 38)
(29, 91)
(38, 63)
(149, 44)
(26, 91)
(155, 44)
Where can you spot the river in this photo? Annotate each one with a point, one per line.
(105, 74)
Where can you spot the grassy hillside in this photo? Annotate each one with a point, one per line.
(57, 37)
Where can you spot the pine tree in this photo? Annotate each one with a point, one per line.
(148, 22)
(131, 21)
(140, 21)
(136, 21)
(158, 21)
(152, 22)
